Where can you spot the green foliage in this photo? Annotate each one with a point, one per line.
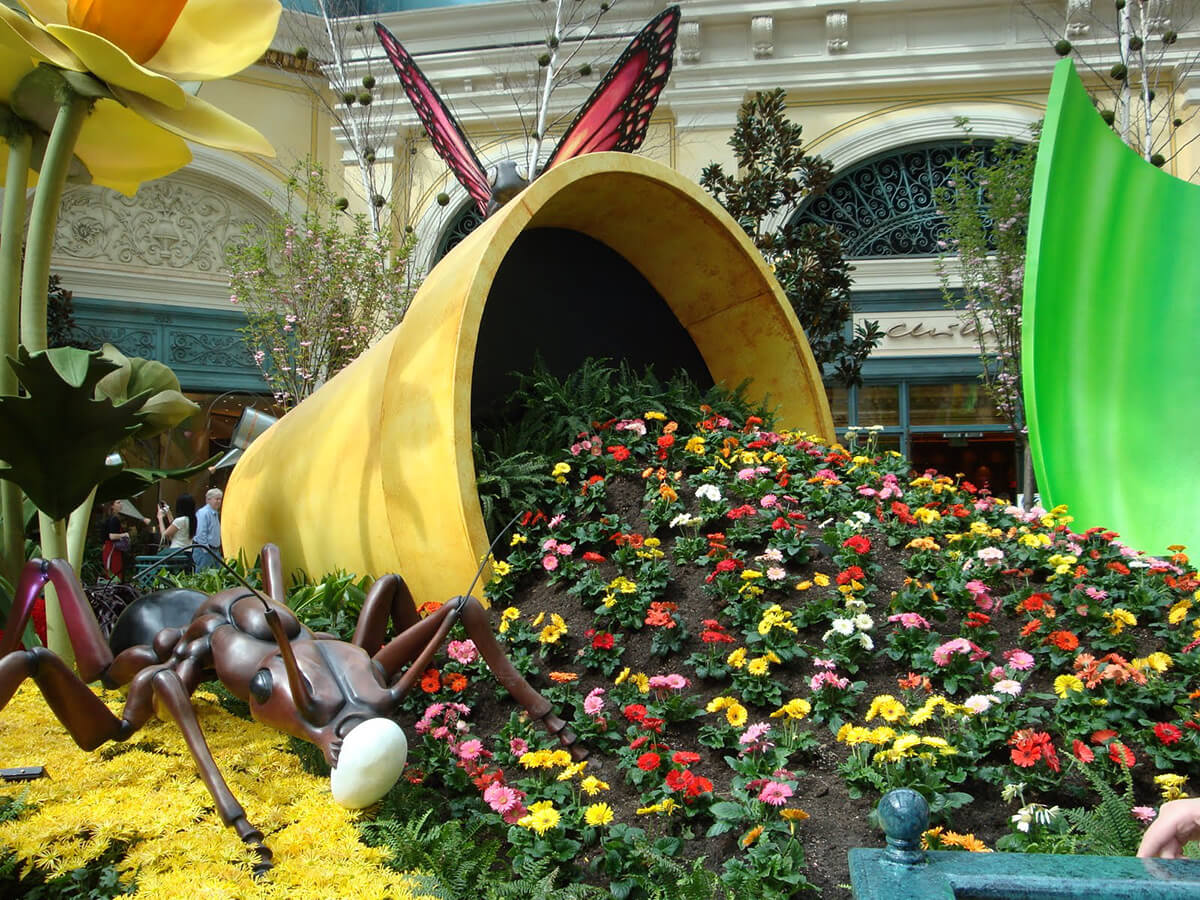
(537, 880)
(332, 604)
(986, 205)
(546, 413)
(456, 856)
(318, 287)
(1107, 829)
(99, 881)
(506, 482)
(211, 581)
(777, 175)
(60, 315)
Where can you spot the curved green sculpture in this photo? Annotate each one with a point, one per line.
(1111, 343)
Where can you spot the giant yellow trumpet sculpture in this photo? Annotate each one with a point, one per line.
(374, 472)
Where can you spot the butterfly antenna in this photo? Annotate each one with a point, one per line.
(491, 549)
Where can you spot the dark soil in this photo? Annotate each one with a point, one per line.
(837, 823)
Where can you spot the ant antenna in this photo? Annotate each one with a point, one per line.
(488, 555)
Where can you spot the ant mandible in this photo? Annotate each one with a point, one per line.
(342, 696)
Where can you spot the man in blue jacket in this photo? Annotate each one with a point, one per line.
(208, 532)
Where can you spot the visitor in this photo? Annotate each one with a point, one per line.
(178, 534)
(1178, 822)
(206, 542)
(117, 543)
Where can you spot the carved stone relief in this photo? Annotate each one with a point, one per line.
(131, 341)
(689, 42)
(762, 36)
(208, 349)
(1079, 18)
(173, 223)
(837, 30)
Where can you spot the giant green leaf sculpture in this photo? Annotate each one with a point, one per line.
(1111, 343)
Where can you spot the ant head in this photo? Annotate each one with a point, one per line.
(371, 758)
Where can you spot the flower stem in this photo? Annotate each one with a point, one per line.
(12, 226)
(56, 162)
(42, 221)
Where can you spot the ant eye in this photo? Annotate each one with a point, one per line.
(261, 685)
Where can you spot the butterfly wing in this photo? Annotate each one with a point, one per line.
(617, 114)
(448, 139)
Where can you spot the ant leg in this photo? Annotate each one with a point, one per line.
(84, 715)
(272, 574)
(92, 654)
(479, 628)
(388, 596)
(171, 692)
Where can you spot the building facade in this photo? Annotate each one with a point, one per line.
(878, 86)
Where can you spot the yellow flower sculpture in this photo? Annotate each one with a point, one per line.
(140, 52)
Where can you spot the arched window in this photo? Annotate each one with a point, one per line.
(466, 220)
(884, 206)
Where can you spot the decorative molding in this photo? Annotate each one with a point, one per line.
(130, 340)
(837, 30)
(202, 346)
(689, 42)
(170, 223)
(762, 36)
(876, 135)
(1156, 16)
(208, 349)
(1079, 16)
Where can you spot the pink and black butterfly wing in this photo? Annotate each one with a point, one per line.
(617, 114)
(448, 139)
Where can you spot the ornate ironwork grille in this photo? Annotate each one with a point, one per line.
(885, 205)
(464, 222)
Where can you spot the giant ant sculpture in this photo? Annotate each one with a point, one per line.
(341, 696)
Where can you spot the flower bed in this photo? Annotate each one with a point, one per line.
(755, 635)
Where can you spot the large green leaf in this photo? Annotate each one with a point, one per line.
(131, 482)
(54, 441)
(165, 407)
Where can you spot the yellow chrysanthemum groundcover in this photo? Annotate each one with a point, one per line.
(146, 797)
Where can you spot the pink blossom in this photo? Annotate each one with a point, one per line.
(518, 747)
(746, 474)
(1007, 686)
(462, 651)
(672, 682)
(776, 573)
(549, 545)
(1144, 814)
(910, 620)
(549, 562)
(593, 703)
(1096, 593)
(942, 654)
(440, 733)
(754, 733)
(824, 679)
(566, 549)
(469, 750)
(768, 501)
(502, 798)
(1019, 659)
(775, 793)
(556, 521)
